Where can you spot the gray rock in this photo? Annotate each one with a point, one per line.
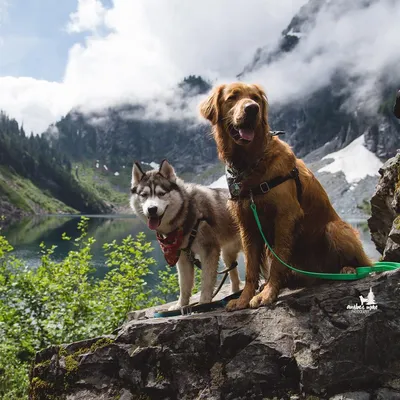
(352, 396)
(387, 394)
(384, 223)
(308, 343)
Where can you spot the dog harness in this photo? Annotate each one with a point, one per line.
(236, 191)
(171, 245)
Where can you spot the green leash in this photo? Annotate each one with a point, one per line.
(361, 272)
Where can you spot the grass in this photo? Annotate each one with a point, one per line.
(211, 173)
(113, 189)
(23, 194)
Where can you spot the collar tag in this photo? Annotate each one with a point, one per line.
(231, 177)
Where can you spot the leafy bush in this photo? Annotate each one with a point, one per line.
(62, 302)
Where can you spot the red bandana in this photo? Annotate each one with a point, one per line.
(170, 245)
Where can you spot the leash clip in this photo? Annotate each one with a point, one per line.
(186, 310)
(251, 197)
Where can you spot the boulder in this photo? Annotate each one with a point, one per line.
(315, 343)
(384, 223)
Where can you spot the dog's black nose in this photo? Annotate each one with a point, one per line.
(251, 109)
(152, 210)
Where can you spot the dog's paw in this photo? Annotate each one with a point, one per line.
(176, 306)
(236, 304)
(348, 270)
(267, 296)
(205, 300)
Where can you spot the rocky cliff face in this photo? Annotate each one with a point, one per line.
(309, 343)
(384, 222)
(324, 115)
(117, 136)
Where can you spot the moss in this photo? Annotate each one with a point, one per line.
(396, 222)
(43, 364)
(62, 351)
(71, 364)
(38, 386)
(103, 342)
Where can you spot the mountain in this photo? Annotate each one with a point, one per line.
(120, 135)
(323, 116)
(316, 125)
(35, 178)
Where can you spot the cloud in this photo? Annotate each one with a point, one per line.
(33, 102)
(361, 43)
(137, 50)
(88, 17)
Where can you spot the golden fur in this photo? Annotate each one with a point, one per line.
(309, 236)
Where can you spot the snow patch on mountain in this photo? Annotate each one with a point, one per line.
(355, 161)
(220, 183)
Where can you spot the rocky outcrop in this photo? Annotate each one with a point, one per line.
(384, 222)
(309, 343)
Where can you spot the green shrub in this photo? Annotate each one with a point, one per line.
(61, 302)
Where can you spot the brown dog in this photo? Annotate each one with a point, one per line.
(295, 212)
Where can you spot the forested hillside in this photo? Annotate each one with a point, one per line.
(36, 178)
(119, 135)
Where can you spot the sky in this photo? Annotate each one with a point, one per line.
(91, 54)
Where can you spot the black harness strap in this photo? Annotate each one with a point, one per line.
(195, 261)
(266, 186)
(188, 248)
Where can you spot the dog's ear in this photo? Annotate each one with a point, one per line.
(264, 106)
(137, 175)
(167, 171)
(209, 108)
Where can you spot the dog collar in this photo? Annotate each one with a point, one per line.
(236, 188)
(235, 177)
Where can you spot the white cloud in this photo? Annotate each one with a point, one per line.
(33, 102)
(88, 17)
(137, 49)
(362, 42)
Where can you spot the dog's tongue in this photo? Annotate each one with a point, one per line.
(153, 222)
(246, 134)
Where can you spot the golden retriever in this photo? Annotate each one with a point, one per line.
(296, 215)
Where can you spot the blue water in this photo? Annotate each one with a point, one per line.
(26, 236)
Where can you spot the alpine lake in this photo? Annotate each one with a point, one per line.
(26, 235)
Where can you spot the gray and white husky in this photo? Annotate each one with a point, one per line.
(172, 208)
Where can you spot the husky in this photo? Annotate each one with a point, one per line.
(181, 213)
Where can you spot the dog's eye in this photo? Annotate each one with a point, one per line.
(161, 194)
(255, 98)
(232, 97)
(143, 194)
